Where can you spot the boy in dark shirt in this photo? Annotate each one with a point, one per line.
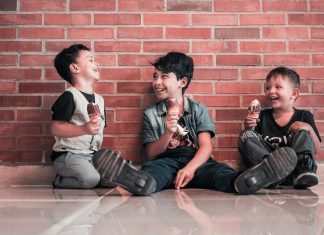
(177, 134)
(79, 134)
(283, 125)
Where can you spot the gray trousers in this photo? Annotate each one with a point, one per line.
(76, 171)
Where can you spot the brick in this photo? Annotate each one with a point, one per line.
(7, 33)
(7, 88)
(93, 5)
(7, 115)
(200, 88)
(120, 46)
(316, 5)
(202, 60)
(255, 73)
(228, 60)
(264, 46)
(117, 19)
(134, 87)
(43, 5)
(121, 74)
(285, 32)
(318, 114)
(140, 32)
(129, 142)
(36, 142)
(214, 46)
(122, 101)
(140, 5)
(129, 115)
(135, 60)
(318, 87)
(109, 142)
(35, 115)
(8, 60)
(238, 87)
(216, 74)
(67, 19)
(318, 59)
(311, 73)
(228, 128)
(227, 141)
(20, 101)
(163, 46)
(106, 60)
(194, 33)
(310, 100)
(262, 19)
(309, 46)
(237, 33)
(236, 5)
(20, 19)
(166, 19)
(90, 33)
(20, 74)
(20, 129)
(231, 114)
(104, 87)
(51, 74)
(20, 46)
(212, 19)
(317, 33)
(227, 155)
(306, 19)
(219, 101)
(8, 5)
(282, 60)
(284, 5)
(189, 5)
(39, 33)
(36, 60)
(55, 46)
(44, 87)
(7, 142)
(123, 128)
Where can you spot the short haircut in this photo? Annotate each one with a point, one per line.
(178, 63)
(65, 58)
(292, 75)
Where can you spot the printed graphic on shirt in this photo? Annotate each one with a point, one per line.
(277, 141)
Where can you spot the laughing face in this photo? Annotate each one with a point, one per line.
(167, 86)
(87, 66)
(281, 93)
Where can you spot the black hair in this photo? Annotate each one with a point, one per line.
(65, 58)
(292, 75)
(178, 63)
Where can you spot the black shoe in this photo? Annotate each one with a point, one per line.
(306, 177)
(112, 168)
(275, 167)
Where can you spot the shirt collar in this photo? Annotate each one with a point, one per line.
(162, 109)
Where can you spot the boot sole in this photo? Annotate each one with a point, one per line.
(115, 169)
(306, 180)
(277, 166)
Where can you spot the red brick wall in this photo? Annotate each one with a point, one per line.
(234, 44)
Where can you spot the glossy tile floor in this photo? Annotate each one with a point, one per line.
(192, 211)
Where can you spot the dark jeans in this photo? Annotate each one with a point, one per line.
(254, 149)
(211, 175)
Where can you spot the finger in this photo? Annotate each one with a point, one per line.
(180, 180)
(185, 182)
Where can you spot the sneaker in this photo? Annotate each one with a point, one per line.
(306, 177)
(112, 168)
(275, 167)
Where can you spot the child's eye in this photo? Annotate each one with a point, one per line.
(155, 76)
(267, 88)
(278, 87)
(164, 76)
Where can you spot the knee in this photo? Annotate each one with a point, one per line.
(246, 134)
(90, 180)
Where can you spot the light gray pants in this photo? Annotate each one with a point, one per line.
(76, 171)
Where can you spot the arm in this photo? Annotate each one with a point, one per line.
(185, 175)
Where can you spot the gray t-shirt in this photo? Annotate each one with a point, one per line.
(195, 116)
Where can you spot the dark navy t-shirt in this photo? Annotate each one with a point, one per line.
(278, 136)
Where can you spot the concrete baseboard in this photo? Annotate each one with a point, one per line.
(43, 175)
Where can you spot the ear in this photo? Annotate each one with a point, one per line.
(74, 68)
(295, 93)
(183, 82)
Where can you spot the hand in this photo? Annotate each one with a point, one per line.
(93, 126)
(184, 176)
(250, 123)
(171, 120)
(299, 126)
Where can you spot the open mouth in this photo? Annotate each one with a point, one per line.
(273, 99)
(158, 89)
